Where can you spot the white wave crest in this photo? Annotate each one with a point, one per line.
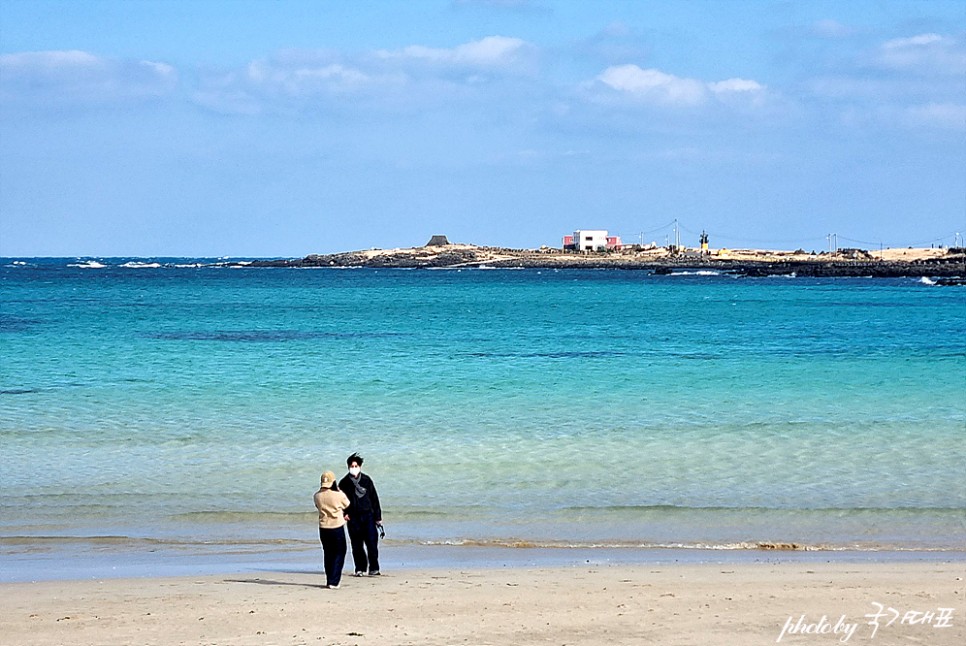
(697, 272)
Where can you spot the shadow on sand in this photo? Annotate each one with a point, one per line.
(273, 582)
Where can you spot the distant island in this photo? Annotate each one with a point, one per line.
(947, 263)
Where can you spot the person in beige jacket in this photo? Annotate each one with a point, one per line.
(332, 504)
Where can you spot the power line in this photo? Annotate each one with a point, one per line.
(872, 244)
(718, 234)
(666, 226)
(956, 237)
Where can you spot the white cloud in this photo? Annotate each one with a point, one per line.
(736, 85)
(922, 68)
(51, 62)
(492, 52)
(914, 41)
(910, 82)
(412, 76)
(78, 77)
(307, 79)
(951, 116)
(924, 53)
(294, 79)
(936, 117)
(651, 86)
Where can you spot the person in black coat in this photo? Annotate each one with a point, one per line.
(364, 517)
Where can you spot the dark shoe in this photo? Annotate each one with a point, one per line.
(373, 572)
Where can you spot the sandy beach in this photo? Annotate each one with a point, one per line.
(736, 603)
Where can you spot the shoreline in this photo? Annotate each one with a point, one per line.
(939, 266)
(577, 604)
(105, 564)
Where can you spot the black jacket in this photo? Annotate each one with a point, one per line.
(359, 508)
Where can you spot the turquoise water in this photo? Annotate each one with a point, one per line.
(187, 408)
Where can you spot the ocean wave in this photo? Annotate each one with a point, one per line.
(698, 272)
(750, 545)
(141, 265)
(126, 263)
(665, 509)
(120, 542)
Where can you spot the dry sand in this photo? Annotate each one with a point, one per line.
(909, 255)
(713, 604)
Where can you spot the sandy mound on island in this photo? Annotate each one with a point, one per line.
(908, 255)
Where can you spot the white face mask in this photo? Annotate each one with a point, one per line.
(354, 471)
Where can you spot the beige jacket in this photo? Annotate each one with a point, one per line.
(331, 505)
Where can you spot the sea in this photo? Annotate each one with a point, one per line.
(175, 414)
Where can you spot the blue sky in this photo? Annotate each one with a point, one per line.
(282, 128)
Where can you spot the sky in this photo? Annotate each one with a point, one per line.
(280, 128)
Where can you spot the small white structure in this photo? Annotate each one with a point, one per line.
(590, 239)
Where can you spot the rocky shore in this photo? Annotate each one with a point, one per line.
(945, 263)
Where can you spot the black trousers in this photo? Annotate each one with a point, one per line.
(365, 544)
(333, 553)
